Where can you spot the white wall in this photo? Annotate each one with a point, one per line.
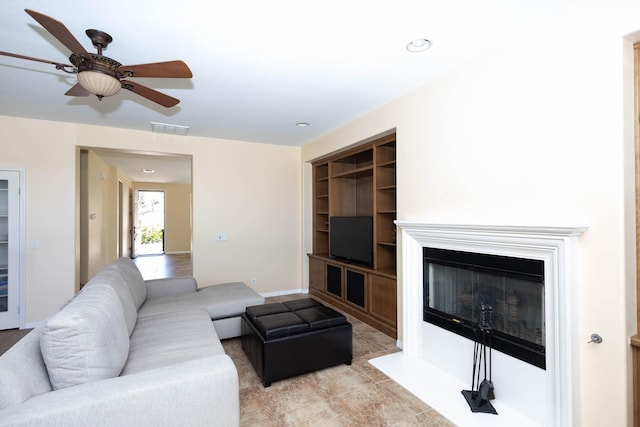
(250, 191)
(535, 135)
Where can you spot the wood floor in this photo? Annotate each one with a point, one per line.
(162, 266)
(11, 336)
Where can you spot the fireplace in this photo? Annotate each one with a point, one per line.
(436, 364)
(466, 291)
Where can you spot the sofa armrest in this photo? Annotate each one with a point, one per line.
(173, 286)
(202, 392)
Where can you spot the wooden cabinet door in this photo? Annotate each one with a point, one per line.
(316, 274)
(383, 299)
(356, 288)
(334, 280)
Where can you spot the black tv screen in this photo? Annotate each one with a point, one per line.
(351, 238)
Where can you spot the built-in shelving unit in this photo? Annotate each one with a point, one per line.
(362, 182)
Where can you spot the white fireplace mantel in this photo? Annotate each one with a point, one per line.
(557, 247)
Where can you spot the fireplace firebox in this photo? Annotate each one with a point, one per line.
(458, 284)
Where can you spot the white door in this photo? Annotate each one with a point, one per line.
(9, 249)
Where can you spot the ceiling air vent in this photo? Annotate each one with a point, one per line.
(169, 128)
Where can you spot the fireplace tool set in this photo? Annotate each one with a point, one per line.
(482, 392)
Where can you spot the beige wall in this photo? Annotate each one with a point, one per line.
(250, 191)
(177, 202)
(99, 214)
(124, 207)
(46, 151)
(99, 247)
(534, 135)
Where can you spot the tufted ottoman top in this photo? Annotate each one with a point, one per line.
(293, 317)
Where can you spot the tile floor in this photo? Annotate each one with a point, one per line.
(356, 395)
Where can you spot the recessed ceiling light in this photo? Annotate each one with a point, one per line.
(148, 171)
(419, 45)
(303, 124)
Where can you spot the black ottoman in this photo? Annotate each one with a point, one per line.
(293, 338)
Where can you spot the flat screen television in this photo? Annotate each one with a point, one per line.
(351, 239)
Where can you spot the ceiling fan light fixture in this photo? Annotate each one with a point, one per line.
(98, 83)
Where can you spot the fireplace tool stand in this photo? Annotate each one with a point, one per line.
(481, 393)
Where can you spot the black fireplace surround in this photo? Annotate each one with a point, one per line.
(458, 284)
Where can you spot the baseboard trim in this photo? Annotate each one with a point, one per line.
(286, 292)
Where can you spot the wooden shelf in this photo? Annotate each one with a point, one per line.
(389, 164)
(360, 181)
(354, 173)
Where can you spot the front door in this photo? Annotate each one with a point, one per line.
(149, 222)
(9, 249)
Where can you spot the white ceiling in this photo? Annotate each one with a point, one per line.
(167, 168)
(258, 66)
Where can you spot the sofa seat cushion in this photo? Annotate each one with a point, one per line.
(165, 339)
(220, 301)
(87, 340)
(23, 373)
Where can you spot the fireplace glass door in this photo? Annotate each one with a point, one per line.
(467, 292)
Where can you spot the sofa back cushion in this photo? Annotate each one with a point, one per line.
(23, 373)
(111, 275)
(87, 340)
(133, 279)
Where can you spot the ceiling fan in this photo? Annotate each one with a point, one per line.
(102, 76)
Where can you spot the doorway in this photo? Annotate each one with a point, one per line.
(149, 222)
(635, 340)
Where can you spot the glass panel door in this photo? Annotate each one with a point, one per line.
(4, 244)
(9, 249)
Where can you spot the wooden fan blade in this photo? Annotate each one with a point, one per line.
(58, 65)
(168, 69)
(60, 32)
(150, 94)
(77, 90)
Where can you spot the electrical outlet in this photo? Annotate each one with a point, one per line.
(253, 281)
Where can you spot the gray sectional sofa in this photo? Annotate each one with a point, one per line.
(129, 352)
